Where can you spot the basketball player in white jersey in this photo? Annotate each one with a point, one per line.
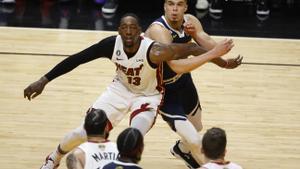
(214, 148)
(136, 87)
(98, 150)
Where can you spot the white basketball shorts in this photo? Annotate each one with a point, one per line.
(117, 101)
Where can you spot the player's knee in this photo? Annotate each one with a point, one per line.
(199, 126)
(145, 117)
(143, 121)
(195, 142)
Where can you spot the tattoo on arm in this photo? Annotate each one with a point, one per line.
(72, 161)
(161, 52)
(158, 49)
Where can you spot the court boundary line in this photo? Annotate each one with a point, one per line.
(64, 55)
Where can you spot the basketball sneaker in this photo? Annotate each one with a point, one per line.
(216, 7)
(186, 157)
(202, 4)
(262, 8)
(110, 6)
(7, 1)
(49, 164)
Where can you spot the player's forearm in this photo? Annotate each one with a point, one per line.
(219, 61)
(43, 80)
(185, 50)
(63, 67)
(204, 40)
(189, 64)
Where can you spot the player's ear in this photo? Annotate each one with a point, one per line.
(202, 151)
(225, 152)
(119, 30)
(186, 6)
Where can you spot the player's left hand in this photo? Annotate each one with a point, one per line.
(233, 62)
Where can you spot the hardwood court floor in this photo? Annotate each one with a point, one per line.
(258, 104)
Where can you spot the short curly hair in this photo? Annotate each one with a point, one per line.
(214, 143)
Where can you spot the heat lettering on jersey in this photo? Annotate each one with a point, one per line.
(133, 74)
(104, 156)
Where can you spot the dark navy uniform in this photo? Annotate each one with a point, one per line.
(180, 97)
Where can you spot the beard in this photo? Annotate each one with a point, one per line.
(106, 135)
(128, 45)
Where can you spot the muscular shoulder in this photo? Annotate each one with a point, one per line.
(158, 33)
(108, 41)
(156, 27)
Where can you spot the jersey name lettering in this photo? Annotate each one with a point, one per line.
(104, 156)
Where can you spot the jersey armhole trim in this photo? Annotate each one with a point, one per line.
(152, 65)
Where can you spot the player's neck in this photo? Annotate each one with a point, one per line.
(96, 139)
(127, 160)
(220, 161)
(177, 25)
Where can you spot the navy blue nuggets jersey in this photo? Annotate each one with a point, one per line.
(178, 37)
(121, 165)
(180, 97)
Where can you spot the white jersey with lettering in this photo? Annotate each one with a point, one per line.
(99, 154)
(228, 165)
(136, 73)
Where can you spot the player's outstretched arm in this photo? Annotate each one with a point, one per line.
(164, 52)
(193, 27)
(68, 64)
(189, 64)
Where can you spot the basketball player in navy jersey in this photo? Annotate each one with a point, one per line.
(130, 143)
(181, 108)
(136, 87)
(98, 150)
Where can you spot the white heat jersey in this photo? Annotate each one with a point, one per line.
(135, 73)
(99, 154)
(230, 165)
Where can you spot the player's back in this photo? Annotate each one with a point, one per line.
(119, 164)
(229, 165)
(99, 154)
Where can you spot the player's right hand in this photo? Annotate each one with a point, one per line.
(223, 47)
(35, 88)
